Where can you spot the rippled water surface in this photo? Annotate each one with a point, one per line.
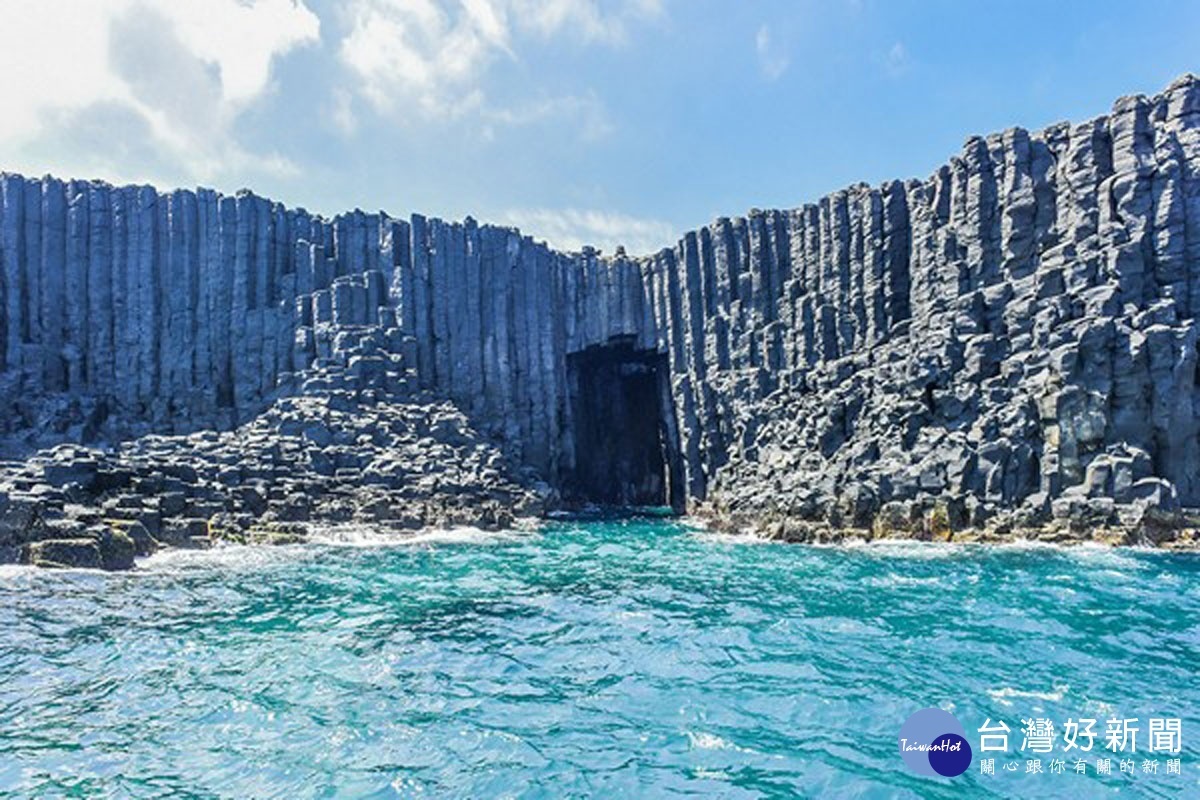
(606, 658)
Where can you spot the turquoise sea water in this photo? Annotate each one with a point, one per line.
(612, 658)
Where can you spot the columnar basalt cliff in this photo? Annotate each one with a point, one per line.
(1010, 342)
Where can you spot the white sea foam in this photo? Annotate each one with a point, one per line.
(1006, 694)
(15, 572)
(226, 555)
(234, 556)
(700, 740)
(1120, 557)
(721, 537)
(895, 579)
(369, 536)
(905, 548)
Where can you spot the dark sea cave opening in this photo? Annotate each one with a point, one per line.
(625, 443)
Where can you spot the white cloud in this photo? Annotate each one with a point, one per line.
(431, 57)
(896, 62)
(407, 51)
(175, 73)
(572, 228)
(240, 39)
(772, 60)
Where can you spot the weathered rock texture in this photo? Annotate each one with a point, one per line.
(355, 444)
(1013, 338)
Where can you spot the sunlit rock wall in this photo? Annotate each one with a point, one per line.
(1018, 328)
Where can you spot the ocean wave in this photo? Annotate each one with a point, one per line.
(236, 556)
(584, 648)
(1005, 695)
(904, 548)
(701, 740)
(9, 571)
(370, 536)
(15, 572)
(226, 555)
(895, 579)
(709, 536)
(1120, 559)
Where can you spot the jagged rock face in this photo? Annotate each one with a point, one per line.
(1019, 330)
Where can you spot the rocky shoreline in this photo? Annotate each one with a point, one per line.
(398, 466)
(342, 453)
(354, 439)
(1179, 533)
(1004, 350)
(355, 444)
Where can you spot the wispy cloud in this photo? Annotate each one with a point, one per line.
(586, 111)
(572, 228)
(773, 60)
(172, 75)
(896, 62)
(341, 111)
(430, 58)
(585, 19)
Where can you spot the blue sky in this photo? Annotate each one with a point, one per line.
(578, 120)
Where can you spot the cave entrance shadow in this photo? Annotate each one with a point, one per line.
(624, 436)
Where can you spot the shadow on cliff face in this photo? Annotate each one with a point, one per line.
(624, 453)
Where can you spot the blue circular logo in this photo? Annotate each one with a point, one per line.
(933, 742)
